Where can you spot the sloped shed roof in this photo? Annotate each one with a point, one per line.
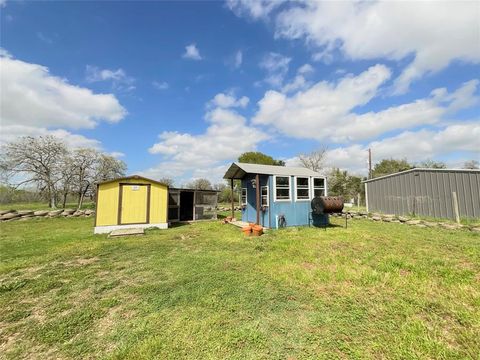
(132, 177)
(238, 170)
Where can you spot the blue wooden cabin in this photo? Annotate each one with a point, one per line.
(271, 193)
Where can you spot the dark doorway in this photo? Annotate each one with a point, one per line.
(186, 205)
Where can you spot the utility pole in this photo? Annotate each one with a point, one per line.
(369, 163)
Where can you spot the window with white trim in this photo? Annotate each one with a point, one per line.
(282, 188)
(264, 195)
(302, 188)
(244, 196)
(318, 187)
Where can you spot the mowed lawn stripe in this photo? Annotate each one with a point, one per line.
(205, 291)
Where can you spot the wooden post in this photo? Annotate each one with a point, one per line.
(455, 207)
(257, 188)
(369, 163)
(233, 198)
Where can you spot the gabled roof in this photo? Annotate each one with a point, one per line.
(132, 177)
(238, 170)
(422, 170)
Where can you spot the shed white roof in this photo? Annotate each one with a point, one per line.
(238, 170)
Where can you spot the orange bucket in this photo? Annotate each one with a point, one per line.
(247, 230)
(257, 230)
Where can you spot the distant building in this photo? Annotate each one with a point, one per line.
(270, 193)
(426, 192)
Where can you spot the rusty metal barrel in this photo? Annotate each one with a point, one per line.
(327, 204)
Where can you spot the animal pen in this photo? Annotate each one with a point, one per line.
(439, 193)
(191, 204)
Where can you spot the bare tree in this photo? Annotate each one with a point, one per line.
(35, 160)
(109, 168)
(471, 164)
(84, 163)
(314, 160)
(200, 184)
(167, 181)
(67, 178)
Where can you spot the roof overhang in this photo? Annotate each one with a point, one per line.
(234, 172)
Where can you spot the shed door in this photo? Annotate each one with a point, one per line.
(134, 203)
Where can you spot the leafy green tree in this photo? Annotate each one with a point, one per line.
(340, 183)
(256, 157)
(390, 166)
(432, 164)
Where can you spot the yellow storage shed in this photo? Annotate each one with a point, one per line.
(131, 202)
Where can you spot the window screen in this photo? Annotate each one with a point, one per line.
(303, 190)
(282, 188)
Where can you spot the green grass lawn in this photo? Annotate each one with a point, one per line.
(374, 290)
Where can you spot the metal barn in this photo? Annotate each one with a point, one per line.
(426, 192)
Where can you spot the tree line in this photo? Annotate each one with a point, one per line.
(56, 172)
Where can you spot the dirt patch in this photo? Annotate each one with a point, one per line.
(309, 266)
(78, 261)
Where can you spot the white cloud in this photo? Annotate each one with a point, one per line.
(192, 53)
(227, 136)
(237, 62)
(299, 82)
(306, 69)
(119, 78)
(222, 100)
(254, 8)
(314, 113)
(3, 3)
(117, 154)
(34, 102)
(46, 39)
(32, 96)
(326, 110)
(435, 33)
(13, 132)
(413, 146)
(160, 85)
(276, 66)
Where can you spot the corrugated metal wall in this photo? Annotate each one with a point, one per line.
(426, 193)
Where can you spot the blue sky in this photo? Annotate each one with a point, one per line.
(180, 89)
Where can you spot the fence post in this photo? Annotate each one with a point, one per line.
(455, 207)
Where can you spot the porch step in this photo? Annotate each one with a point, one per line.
(125, 232)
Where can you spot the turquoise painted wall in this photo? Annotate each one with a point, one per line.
(297, 213)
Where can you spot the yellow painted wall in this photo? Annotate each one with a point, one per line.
(108, 197)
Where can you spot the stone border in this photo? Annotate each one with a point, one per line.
(11, 215)
(405, 220)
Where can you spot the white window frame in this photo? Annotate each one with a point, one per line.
(289, 188)
(268, 196)
(246, 197)
(308, 188)
(324, 188)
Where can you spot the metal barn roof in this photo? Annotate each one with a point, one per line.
(420, 169)
(238, 170)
